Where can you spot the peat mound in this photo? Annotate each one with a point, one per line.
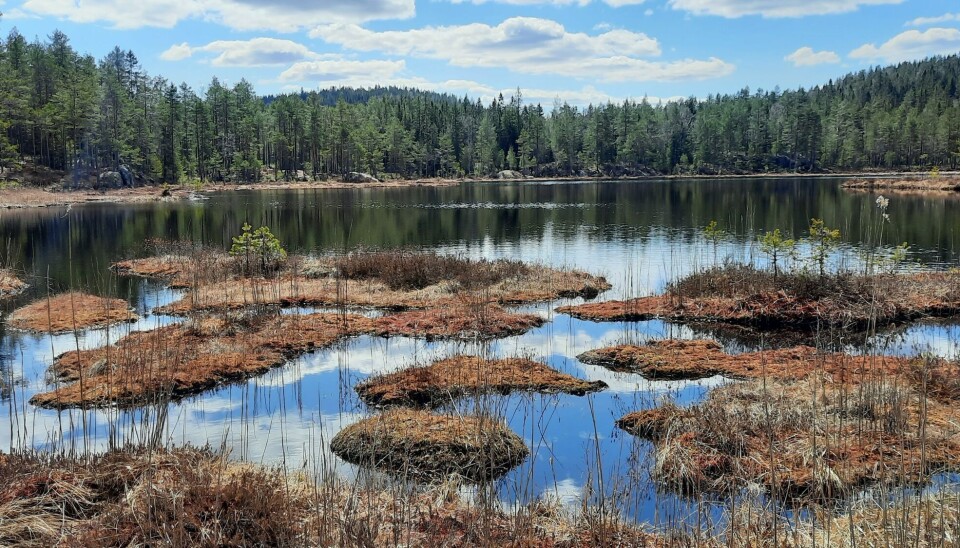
(742, 295)
(446, 380)
(458, 321)
(176, 361)
(674, 359)
(71, 311)
(428, 447)
(815, 440)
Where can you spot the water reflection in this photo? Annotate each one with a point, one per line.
(638, 234)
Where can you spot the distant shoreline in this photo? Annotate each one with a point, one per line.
(36, 197)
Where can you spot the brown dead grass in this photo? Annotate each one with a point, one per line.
(742, 295)
(430, 447)
(180, 360)
(925, 184)
(10, 284)
(193, 497)
(394, 280)
(445, 380)
(458, 321)
(71, 311)
(698, 359)
(816, 440)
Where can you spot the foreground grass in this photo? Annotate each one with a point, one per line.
(191, 497)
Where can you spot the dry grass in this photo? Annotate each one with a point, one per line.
(743, 295)
(71, 311)
(180, 360)
(10, 284)
(192, 497)
(446, 380)
(698, 359)
(389, 280)
(429, 447)
(926, 184)
(813, 440)
(458, 321)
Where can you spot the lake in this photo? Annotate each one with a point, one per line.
(639, 234)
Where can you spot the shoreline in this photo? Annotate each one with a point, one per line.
(29, 197)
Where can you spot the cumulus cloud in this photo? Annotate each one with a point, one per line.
(280, 16)
(806, 57)
(772, 8)
(924, 21)
(912, 44)
(530, 46)
(244, 53)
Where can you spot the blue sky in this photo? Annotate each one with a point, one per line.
(579, 50)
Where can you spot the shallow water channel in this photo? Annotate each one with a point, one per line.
(638, 234)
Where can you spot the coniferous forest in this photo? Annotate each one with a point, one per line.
(68, 111)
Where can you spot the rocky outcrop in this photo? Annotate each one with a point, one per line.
(356, 177)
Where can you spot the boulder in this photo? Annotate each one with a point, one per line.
(301, 176)
(356, 177)
(509, 174)
(126, 176)
(110, 179)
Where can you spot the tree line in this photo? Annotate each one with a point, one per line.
(68, 111)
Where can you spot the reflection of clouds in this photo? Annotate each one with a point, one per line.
(939, 340)
(567, 492)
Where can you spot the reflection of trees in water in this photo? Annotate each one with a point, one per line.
(617, 212)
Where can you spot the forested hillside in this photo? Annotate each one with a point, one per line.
(68, 111)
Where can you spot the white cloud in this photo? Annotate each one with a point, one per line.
(281, 16)
(772, 8)
(924, 21)
(177, 52)
(614, 3)
(912, 44)
(245, 53)
(530, 46)
(341, 72)
(806, 57)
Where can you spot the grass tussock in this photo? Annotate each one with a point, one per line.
(185, 497)
(429, 447)
(395, 280)
(10, 284)
(747, 296)
(814, 440)
(458, 321)
(405, 270)
(451, 378)
(71, 311)
(698, 359)
(181, 360)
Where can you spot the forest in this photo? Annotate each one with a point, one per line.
(70, 112)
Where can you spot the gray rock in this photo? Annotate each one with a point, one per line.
(110, 179)
(301, 176)
(355, 177)
(509, 174)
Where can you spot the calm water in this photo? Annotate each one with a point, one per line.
(638, 234)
